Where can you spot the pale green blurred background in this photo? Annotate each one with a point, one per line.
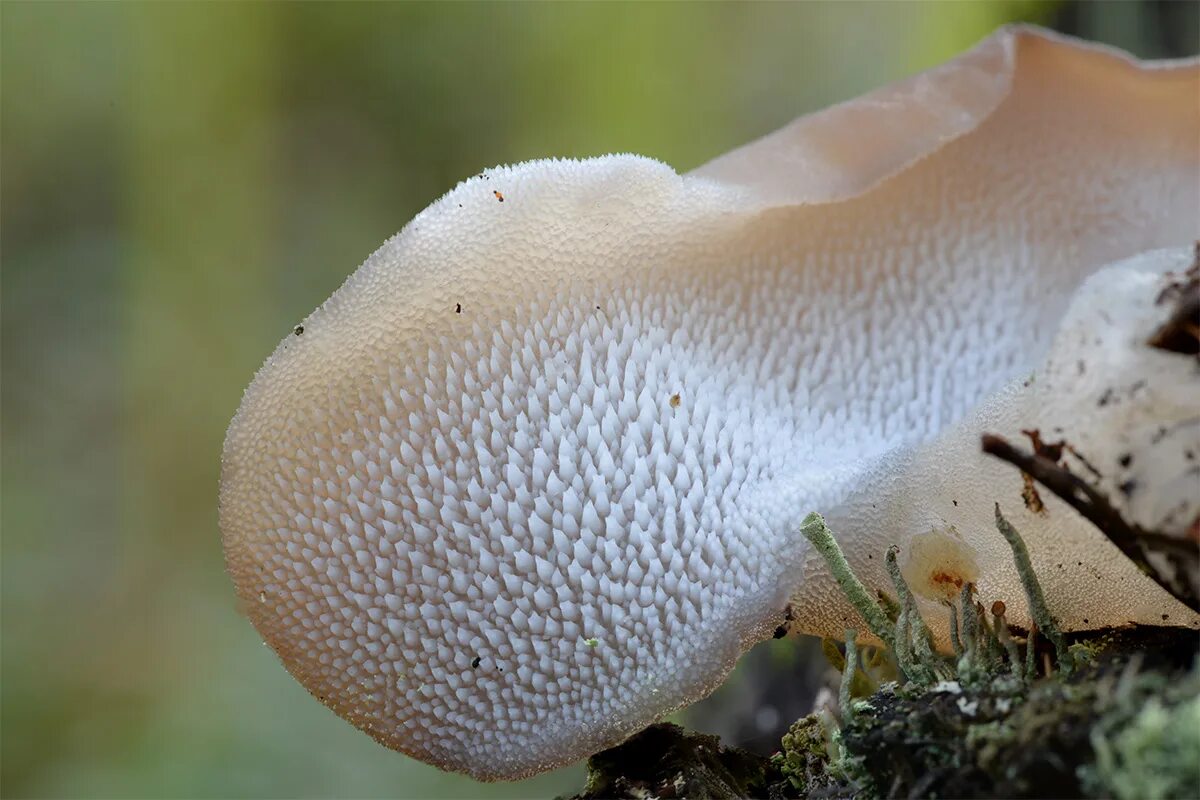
(180, 184)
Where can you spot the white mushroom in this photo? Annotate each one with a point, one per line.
(532, 477)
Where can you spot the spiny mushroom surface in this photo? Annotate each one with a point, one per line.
(532, 477)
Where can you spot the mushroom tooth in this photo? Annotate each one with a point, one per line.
(417, 482)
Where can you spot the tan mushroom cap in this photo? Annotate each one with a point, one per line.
(531, 478)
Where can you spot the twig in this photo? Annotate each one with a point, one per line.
(1130, 539)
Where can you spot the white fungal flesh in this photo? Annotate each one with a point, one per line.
(532, 477)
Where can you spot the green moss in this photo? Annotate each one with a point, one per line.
(1120, 717)
(804, 757)
(1148, 750)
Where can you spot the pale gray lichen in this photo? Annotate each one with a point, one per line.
(1033, 592)
(817, 532)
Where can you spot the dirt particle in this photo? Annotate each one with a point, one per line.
(458, 308)
(946, 579)
(475, 662)
(499, 196)
(1029, 493)
(1181, 333)
(298, 330)
(675, 400)
(1125, 459)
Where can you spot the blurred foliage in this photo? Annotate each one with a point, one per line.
(180, 183)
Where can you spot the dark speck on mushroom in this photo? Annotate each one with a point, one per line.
(499, 196)
(299, 329)
(458, 308)
(475, 662)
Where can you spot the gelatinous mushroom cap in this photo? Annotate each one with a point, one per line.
(532, 478)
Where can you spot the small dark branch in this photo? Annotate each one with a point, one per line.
(1072, 490)
(1181, 332)
(1130, 539)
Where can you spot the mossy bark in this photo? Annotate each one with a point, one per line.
(1121, 726)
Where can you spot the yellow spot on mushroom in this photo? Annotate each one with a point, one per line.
(939, 564)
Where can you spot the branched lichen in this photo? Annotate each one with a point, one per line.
(1005, 638)
(913, 648)
(1033, 592)
(862, 684)
(817, 532)
(848, 675)
(955, 641)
